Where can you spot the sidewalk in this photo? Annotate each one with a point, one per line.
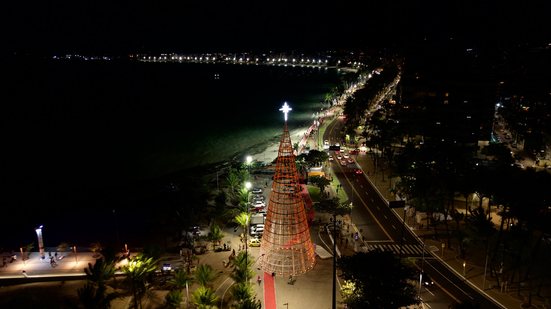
(68, 263)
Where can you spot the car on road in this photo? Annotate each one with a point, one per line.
(343, 163)
(358, 171)
(426, 280)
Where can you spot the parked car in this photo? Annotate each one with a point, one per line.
(258, 204)
(259, 198)
(256, 191)
(257, 229)
(254, 242)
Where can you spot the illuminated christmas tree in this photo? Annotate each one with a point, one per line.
(287, 248)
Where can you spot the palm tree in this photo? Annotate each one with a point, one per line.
(92, 296)
(182, 279)
(215, 235)
(204, 274)
(249, 303)
(243, 297)
(138, 272)
(243, 220)
(173, 299)
(204, 298)
(100, 272)
(94, 293)
(241, 291)
(233, 181)
(242, 264)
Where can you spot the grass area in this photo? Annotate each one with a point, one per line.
(314, 192)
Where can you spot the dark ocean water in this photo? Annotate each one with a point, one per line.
(75, 132)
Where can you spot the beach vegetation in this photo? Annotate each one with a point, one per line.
(242, 267)
(139, 273)
(243, 219)
(173, 299)
(215, 235)
(204, 274)
(94, 294)
(182, 279)
(204, 297)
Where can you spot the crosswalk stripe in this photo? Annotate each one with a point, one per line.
(408, 249)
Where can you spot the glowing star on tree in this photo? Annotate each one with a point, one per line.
(285, 109)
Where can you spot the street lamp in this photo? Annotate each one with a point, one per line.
(248, 162)
(75, 251)
(248, 186)
(464, 265)
(40, 241)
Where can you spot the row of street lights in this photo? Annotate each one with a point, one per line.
(248, 187)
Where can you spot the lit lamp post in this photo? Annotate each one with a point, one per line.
(248, 162)
(464, 265)
(75, 251)
(40, 240)
(248, 186)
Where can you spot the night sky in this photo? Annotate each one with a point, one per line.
(188, 26)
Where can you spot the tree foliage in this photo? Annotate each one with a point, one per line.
(381, 280)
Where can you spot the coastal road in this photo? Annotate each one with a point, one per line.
(384, 225)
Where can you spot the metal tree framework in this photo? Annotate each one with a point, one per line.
(286, 247)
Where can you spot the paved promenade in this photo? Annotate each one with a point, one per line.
(69, 263)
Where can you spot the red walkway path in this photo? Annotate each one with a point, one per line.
(269, 292)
